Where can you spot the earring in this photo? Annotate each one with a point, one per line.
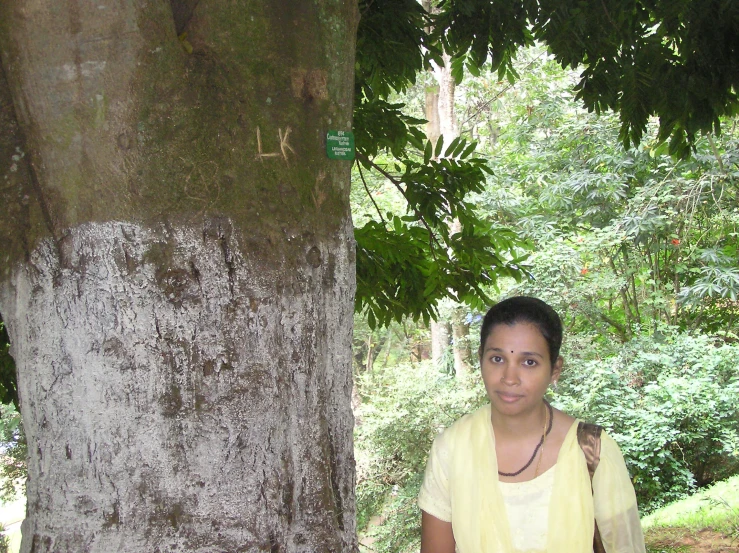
(554, 384)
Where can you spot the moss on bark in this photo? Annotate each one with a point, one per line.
(227, 120)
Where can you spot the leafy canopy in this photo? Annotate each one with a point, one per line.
(674, 60)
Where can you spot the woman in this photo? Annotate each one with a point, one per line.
(511, 477)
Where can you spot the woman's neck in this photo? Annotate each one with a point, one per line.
(519, 426)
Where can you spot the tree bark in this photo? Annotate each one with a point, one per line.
(440, 340)
(178, 272)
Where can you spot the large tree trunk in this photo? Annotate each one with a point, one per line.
(178, 272)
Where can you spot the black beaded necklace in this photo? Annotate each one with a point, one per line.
(536, 449)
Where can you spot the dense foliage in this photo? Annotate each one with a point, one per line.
(676, 60)
(624, 239)
(14, 449)
(412, 256)
(404, 407)
(673, 60)
(13, 446)
(8, 390)
(670, 403)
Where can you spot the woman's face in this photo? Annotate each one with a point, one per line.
(516, 368)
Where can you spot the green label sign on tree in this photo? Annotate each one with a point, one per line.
(340, 145)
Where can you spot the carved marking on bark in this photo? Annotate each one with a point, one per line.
(284, 146)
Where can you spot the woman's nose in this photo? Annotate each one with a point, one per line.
(509, 375)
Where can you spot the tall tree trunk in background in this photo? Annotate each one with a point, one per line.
(442, 121)
(177, 272)
(449, 129)
(447, 120)
(370, 359)
(440, 330)
(461, 343)
(440, 340)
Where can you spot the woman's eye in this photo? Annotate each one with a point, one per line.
(496, 359)
(529, 363)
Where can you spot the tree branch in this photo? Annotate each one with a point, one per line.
(366, 189)
(397, 184)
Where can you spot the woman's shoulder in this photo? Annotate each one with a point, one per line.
(561, 427)
(465, 424)
(608, 446)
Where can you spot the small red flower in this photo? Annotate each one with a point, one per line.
(584, 271)
(675, 241)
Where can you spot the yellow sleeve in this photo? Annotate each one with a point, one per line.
(615, 502)
(434, 495)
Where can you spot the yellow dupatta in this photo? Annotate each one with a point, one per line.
(479, 519)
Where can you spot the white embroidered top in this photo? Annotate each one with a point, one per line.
(527, 507)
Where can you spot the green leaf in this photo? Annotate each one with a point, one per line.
(469, 150)
(452, 146)
(371, 321)
(439, 145)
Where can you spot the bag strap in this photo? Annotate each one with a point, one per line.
(588, 437)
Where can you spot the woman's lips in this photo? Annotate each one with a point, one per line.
(508, 397)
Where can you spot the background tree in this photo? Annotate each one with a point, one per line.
(634, 238)
(664, 59)
(411, 259)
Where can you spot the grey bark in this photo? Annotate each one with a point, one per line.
(178, 273)
(447, 119)
(440, 340)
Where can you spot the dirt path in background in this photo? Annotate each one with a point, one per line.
(690, 541)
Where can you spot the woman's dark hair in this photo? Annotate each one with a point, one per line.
(525, 309)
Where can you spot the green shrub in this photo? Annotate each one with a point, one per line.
(404, 408)
(13, 452)
(670, 402)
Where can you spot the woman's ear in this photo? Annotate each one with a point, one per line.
(557, 368)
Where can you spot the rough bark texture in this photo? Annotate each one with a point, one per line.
(178, 272)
